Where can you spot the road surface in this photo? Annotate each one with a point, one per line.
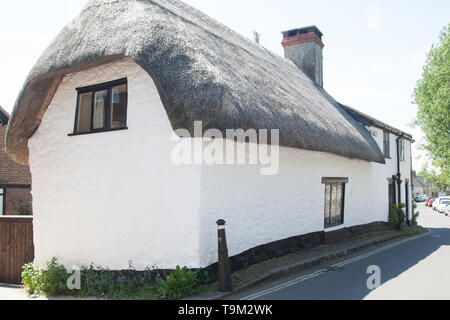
(412, 269)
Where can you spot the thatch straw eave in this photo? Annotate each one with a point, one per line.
(203, 71)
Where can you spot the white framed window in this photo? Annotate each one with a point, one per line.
(402, 150)
(386, 144)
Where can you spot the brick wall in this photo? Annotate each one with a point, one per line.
(18, 201)
(14, 179)
(10, 171)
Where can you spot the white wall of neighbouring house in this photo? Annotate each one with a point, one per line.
(115, 197)
(391, 167)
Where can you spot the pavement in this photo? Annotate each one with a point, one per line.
(10, 292)
(415, 268)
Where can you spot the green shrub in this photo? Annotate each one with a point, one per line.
(32, 279)
(179, 284)
(414, 219)
(397, 216)
(49, 282)
(102, 283)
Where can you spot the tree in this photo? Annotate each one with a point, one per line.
(432, 95)
(439, 181)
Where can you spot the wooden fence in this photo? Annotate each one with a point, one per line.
(16, 247)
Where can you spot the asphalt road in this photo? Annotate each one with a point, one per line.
(413, 269)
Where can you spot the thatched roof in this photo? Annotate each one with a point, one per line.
(203, 70)
(371, 121)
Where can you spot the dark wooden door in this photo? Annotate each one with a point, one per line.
(391, 194)
(16, 247)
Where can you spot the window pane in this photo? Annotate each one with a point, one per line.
(119, 106)
(334, 203)
(100, 109)
(386, 144)
(84, 112)
(402, 149)
(327, 204)
(340, 203)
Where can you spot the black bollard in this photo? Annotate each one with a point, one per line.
(225, 283)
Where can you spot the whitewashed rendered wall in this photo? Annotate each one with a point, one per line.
(115, 197)
(108, 198)
(261, 209)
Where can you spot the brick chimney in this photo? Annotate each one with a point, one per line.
(304, 47)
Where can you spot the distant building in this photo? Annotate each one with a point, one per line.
(15, 179)
(421, 186)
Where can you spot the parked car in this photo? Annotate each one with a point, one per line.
(438, 201)
(447, 211)
(435, 203)
(443, 205)
(422, 198)
(430, 202)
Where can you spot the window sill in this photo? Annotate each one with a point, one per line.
(97, 131)
(388, 158)
(328, 227)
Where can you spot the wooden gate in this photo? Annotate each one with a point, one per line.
(16, 247)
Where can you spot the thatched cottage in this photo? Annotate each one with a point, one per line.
(96, 120)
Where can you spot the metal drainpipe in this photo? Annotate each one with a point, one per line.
(399, 175)
(411, 186)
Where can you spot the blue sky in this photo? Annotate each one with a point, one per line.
(374, 50)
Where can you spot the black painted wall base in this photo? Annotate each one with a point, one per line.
(265, 252)
(290, 245)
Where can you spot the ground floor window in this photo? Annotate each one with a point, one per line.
(334, 201)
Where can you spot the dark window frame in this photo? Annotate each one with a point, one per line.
(386, 144)
(106, 86)
(334, 182)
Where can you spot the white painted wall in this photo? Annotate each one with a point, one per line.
(109, 198)
(112, 197)
(261, 209)
(391, 164)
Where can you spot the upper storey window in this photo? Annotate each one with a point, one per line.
(102, 107)
(386, 145)
(402, 150)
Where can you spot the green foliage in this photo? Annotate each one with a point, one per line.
(439, 179)
(102, 283)
(48, 282)
(179, 284)
(432, 95)
(415, 215)
(414, 219)
(32, 279)
(397, 216)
